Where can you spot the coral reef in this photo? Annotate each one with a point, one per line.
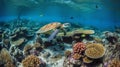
(79, 47)
(95, 50)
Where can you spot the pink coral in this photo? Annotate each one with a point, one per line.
(79, 47)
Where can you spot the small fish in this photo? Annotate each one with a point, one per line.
(83, 35)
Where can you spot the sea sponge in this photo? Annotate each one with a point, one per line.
(31, 61)
(95, 50)
(114, 63)
(79, 47)
(87, 60)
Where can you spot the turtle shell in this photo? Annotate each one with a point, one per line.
(49, 27)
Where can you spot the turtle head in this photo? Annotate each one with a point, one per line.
(66, 25)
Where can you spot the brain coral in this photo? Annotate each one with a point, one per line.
(79, 47)
(31, 61)
(95, 50)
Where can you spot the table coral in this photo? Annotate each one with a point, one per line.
(79, 47)
(31, 61)
(95, 50)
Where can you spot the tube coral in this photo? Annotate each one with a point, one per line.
(95, 50)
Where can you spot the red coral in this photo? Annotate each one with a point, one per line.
(79, 47)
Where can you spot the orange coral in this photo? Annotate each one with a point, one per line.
(31, 61)
(76, 56)
(114, 63)
(79, 47)
(95, 50)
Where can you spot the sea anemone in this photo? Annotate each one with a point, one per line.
(114, 63)
(31, 61)
(87, 60)
(95, 50)
(79, 47)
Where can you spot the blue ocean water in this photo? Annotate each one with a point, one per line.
(103, 15)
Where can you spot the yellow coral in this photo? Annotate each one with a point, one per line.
(31, 61)
(114, 63)
(87, 60)
(95, 50)
(5, 56)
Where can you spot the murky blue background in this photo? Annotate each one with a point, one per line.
(103, 15)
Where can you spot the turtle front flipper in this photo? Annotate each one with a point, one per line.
(51, 37)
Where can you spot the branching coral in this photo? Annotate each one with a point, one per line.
(95, 50)
(31, 61)
(79, 47)
(114, 63)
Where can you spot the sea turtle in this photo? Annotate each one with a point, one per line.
(53, 28)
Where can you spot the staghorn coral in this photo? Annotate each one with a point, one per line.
(79, 47)
(114, 63)
(95, 50)
(87, 60)
(31, 61)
